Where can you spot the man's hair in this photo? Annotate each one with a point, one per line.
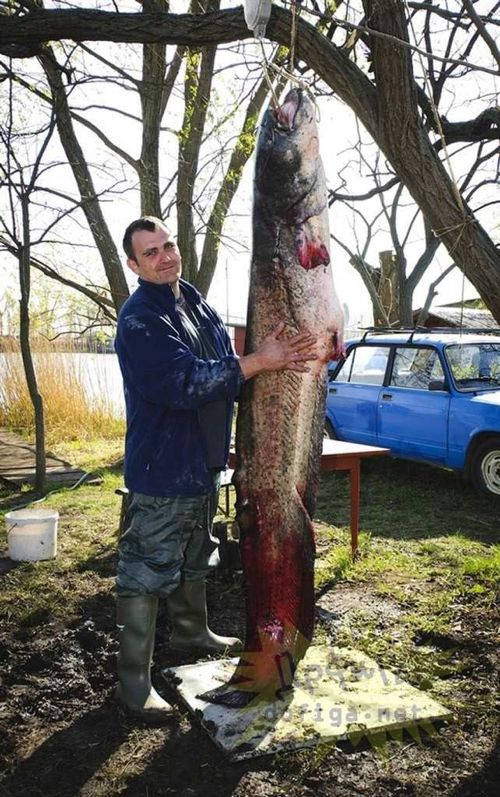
(149, 223)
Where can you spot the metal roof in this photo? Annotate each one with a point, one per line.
(460, 317)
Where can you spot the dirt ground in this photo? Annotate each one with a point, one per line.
(61, 733)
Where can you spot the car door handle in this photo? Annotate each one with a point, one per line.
(387, 396)
(332, 389)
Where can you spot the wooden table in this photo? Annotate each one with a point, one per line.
(338, 455)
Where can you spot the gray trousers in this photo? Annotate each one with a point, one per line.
(167, 540)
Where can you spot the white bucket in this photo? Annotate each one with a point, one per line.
(32, 534)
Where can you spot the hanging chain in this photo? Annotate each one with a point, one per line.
(293, 35)
(269, 68)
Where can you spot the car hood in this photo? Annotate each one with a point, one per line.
(488, 397)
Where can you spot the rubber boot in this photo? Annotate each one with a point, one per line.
(136, 621)
(187, 609)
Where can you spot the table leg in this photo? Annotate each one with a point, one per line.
(355, 490)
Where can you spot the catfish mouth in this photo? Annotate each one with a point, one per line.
(286, 114)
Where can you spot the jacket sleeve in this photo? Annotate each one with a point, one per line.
(158, 364)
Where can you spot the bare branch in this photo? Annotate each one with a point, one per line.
(431, 294)
(336, 196)
(105, 140)
(171, 77)
(111, 64)
(22, 37)
(407, 45)
(366, 273)
(104, 303)
(483, 32)
(241, 152)
(452, 16)
(89, 201)
(119, 111)
(480, 159)
(485, 127)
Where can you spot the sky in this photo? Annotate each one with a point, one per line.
(338, 134)
(336, 120)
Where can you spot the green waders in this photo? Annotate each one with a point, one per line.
(187, 609)
(136, 621)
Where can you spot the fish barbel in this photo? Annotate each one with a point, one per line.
(281, 414)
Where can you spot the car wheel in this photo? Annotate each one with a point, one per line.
(485, 466)
(329, 431)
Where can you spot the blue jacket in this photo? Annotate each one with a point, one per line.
(165, 384)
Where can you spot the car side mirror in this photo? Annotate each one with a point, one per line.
(438, 384)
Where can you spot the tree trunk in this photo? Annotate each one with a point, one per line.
(401, 135)
(197, 87)
(371, 279)
(151, 94)
(388, 288)
(24, 337)
(90, 201)
(242, 151)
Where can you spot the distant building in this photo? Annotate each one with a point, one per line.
(237, 329)
(457, 315)
(239, 340)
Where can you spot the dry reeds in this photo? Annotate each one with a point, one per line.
(79, 399)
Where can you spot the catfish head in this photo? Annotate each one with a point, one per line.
(287, 161)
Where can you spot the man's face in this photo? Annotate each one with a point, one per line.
(157, 258)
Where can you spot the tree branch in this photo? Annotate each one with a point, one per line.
(241, 153)
(105, 140)
(431, 293)
(485, 127)
(451, 16)
(197, 89)
(22, 37)
(334, 196)
(111, 64)
(483, 32)
(388, 111)
(102, 301)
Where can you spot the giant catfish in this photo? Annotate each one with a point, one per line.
(281, 414)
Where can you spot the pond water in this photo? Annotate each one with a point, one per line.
(98, 373)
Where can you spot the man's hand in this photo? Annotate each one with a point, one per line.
(276, 354)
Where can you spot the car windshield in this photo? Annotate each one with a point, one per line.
(475, 366)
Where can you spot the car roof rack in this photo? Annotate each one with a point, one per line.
(411, 331)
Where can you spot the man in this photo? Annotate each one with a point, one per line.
(180, 377)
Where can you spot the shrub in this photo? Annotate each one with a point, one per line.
(78, 399)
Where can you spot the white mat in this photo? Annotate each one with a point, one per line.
(339, 693)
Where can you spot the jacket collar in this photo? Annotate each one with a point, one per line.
(165, 292)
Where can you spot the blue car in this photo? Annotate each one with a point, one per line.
(428, 395)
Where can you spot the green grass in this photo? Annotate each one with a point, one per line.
(410, 501)
(484, 568)
(420, 600)
(428, 553)
(85, 563)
